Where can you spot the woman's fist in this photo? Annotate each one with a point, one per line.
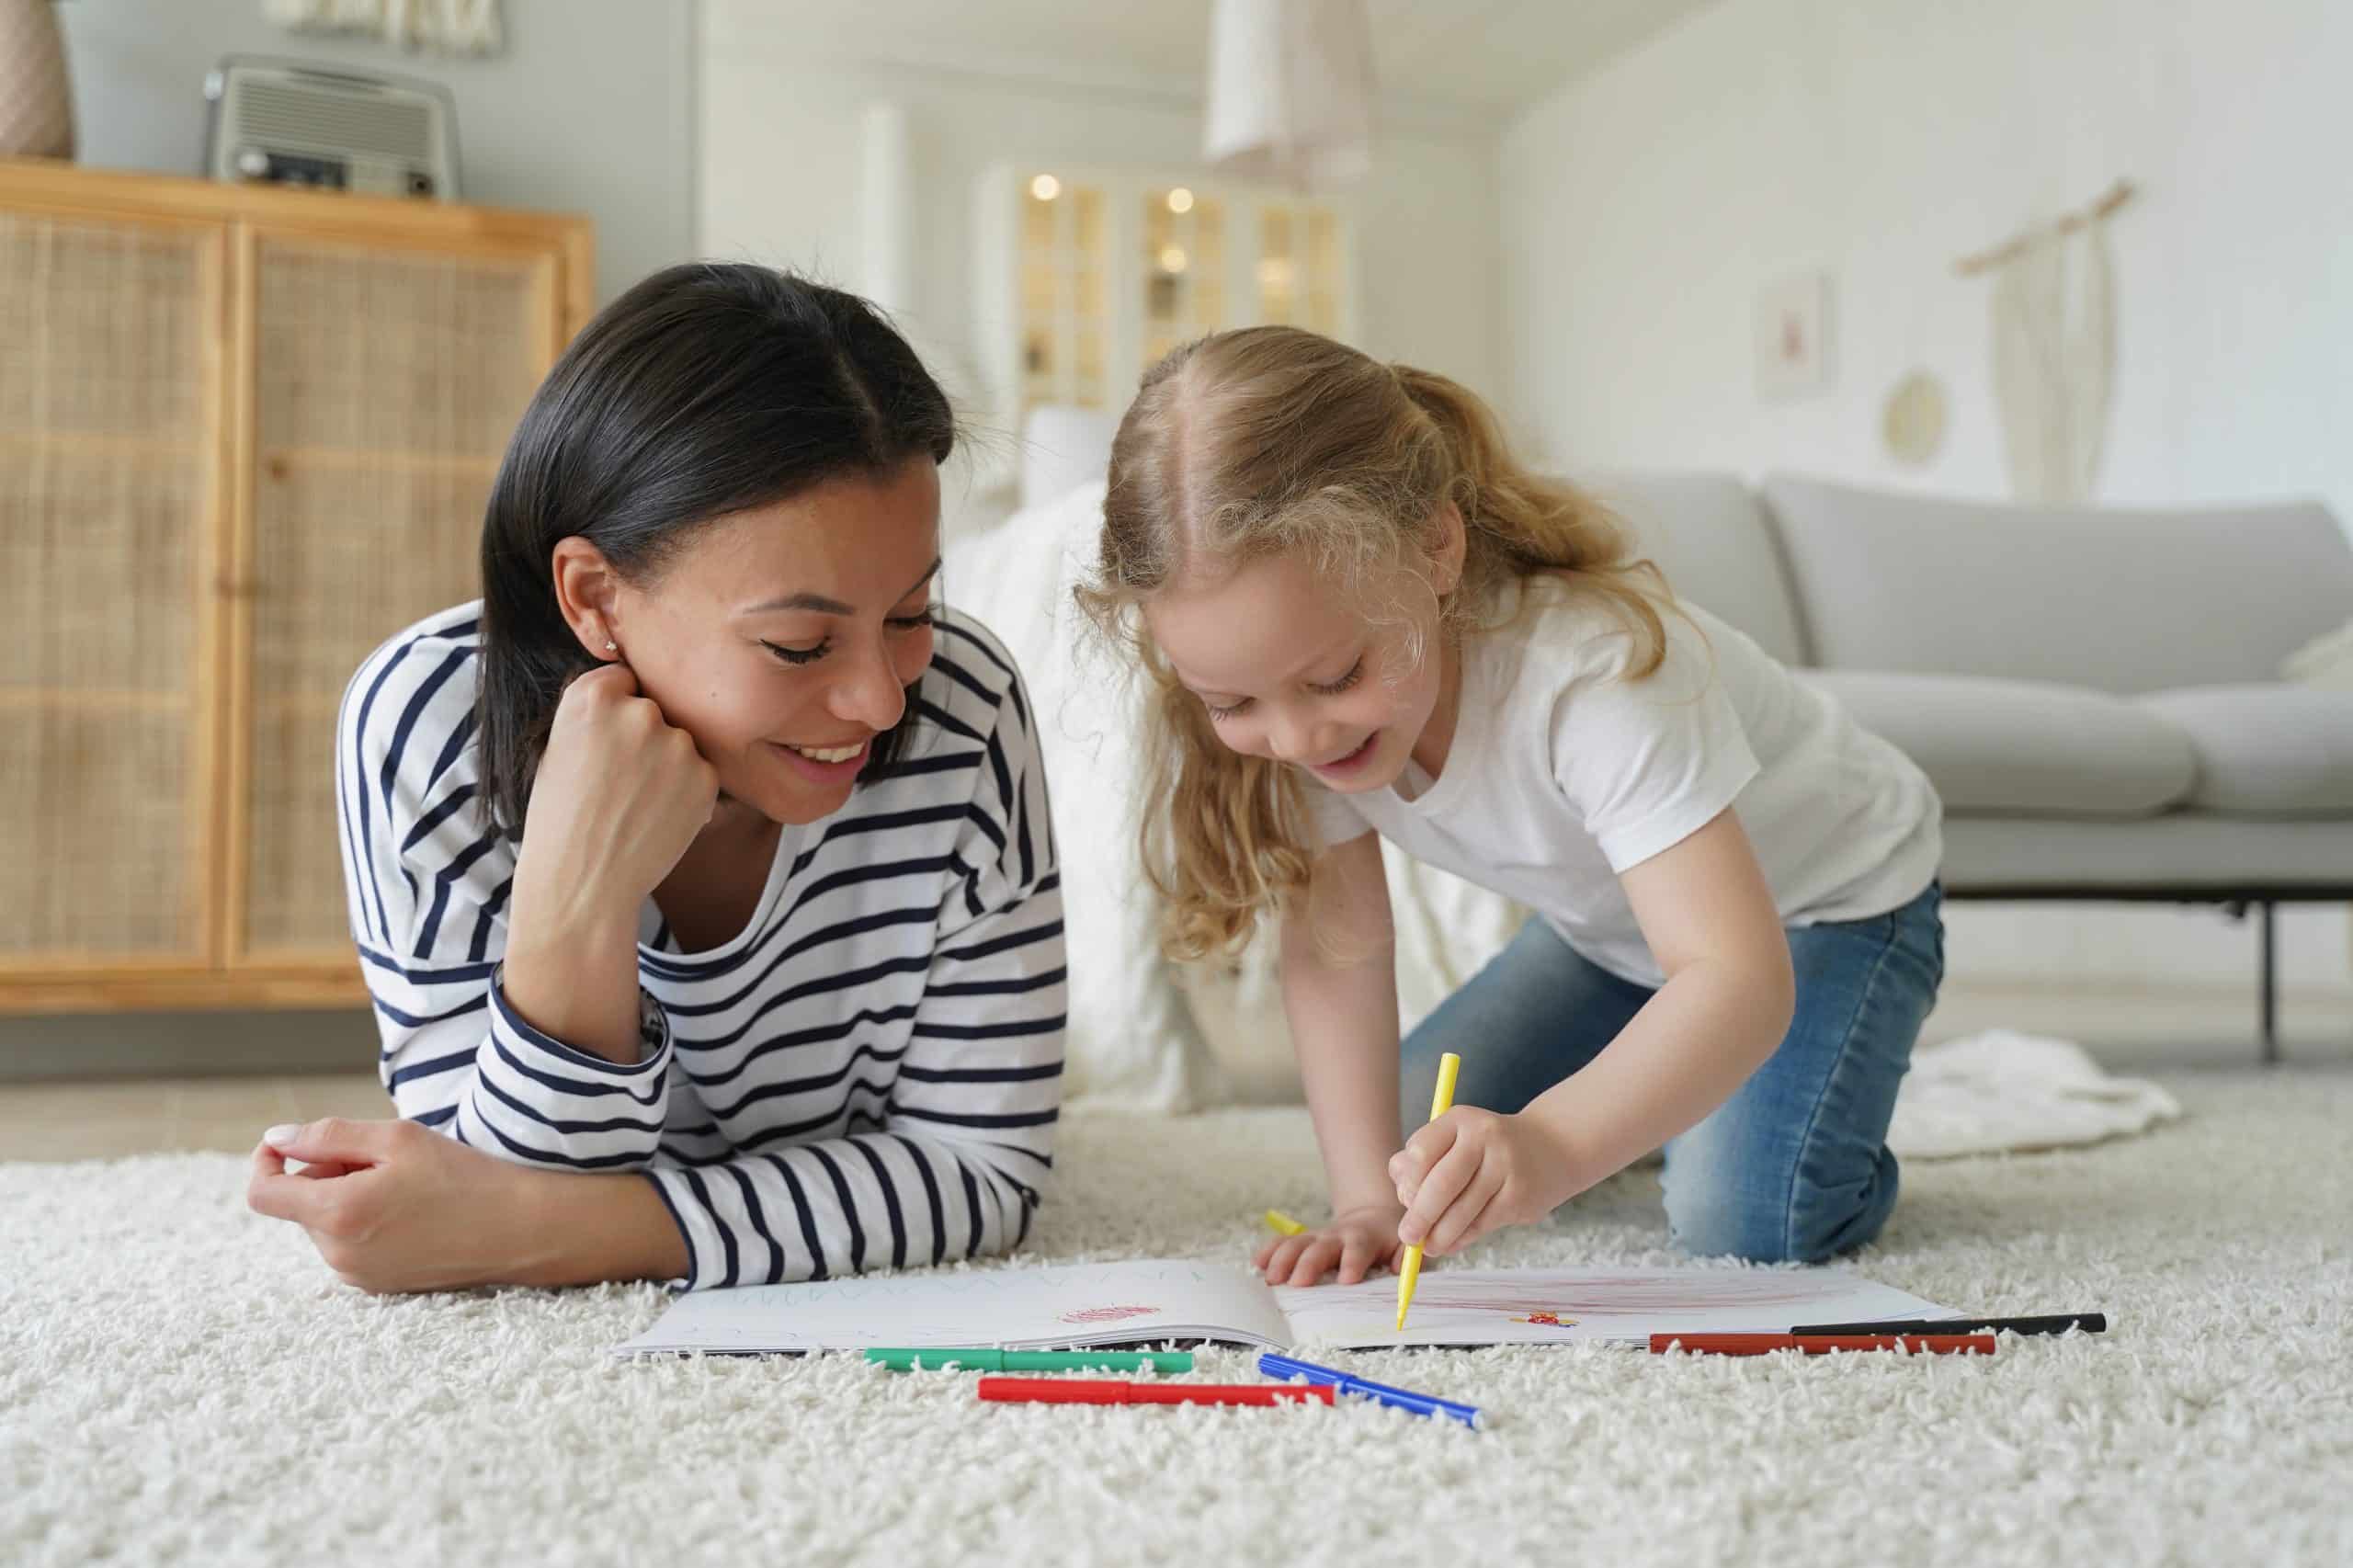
(619, 795)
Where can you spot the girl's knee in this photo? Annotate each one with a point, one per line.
(1764, 1216)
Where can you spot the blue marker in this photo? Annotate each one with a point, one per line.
(1273, 1366)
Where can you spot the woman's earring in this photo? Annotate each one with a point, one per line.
(609, 646)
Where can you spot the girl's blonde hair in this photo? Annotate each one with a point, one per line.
(1272, 439)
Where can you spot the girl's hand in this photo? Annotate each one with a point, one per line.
(1471, 1172)
(1356, 1241)
(619, 796)
(394, 1205)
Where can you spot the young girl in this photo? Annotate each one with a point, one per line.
(1358, 617)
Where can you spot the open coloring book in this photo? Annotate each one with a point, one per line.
(1160, 1300)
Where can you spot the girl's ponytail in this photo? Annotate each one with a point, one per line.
(1519, 523)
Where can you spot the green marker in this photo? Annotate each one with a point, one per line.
(972, 1359)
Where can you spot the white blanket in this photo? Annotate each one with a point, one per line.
(1987, 1093)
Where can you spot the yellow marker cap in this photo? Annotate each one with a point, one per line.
(1279, 1220)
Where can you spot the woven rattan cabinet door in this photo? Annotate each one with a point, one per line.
(110, 349)
(385, 384)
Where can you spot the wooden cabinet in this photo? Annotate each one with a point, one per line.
(246, 434)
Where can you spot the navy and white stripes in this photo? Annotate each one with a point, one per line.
(868, 1075)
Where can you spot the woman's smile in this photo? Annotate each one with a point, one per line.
(829, 765)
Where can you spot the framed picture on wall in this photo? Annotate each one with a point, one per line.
(1793, 336)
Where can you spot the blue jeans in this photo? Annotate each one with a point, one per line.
(1794, 1166)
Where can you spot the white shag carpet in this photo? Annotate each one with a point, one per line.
(183, 1382)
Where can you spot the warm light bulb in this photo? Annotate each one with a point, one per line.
(1045, 188)
(1180, 201)
(1173, 258)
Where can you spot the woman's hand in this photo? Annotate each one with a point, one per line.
(1471, 1172)
(395, 1206)
(619, 795)
(1356, 1241)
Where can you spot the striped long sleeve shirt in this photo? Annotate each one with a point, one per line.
(867, 1075)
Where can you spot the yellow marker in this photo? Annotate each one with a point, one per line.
(1278, 1221)
(1440, 1102)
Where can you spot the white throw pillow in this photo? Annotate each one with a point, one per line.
(1130, 1039)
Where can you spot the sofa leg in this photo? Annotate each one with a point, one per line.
(2266, 941)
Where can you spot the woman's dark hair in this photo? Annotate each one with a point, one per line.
(706, 390)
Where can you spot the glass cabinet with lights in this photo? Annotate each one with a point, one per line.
(1088, 276)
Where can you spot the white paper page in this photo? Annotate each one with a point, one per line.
(1026, 1308)
(1541, 1306)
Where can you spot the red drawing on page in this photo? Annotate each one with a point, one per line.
(1108, 1314)
(1550, 1320)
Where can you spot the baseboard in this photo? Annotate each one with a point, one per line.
(184, 1045)
(2123, 988)
(2121, 1021)
(2148, 1026)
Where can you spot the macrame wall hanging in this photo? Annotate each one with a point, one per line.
(2053, 315)
(444, 27)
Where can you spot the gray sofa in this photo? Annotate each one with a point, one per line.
(2095, 693)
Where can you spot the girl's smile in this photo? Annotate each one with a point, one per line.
(1346, 767)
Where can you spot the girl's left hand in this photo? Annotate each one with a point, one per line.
(1471, 1172)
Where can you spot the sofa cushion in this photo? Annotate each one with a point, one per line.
(2121, 601)
(2223, 854)
(2022, 746)
(2266, 749)
(1708, 533)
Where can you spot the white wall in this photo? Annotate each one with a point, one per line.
(1881, 139)
(781, 138)
(1643, 206)
(588, 110)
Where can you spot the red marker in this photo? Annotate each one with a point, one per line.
(1096, 1391)
(1823, 1344)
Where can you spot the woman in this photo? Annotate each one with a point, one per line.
(701, 871)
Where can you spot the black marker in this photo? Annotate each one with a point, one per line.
(2090, 1323)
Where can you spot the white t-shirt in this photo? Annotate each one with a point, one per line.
(1563, 773)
